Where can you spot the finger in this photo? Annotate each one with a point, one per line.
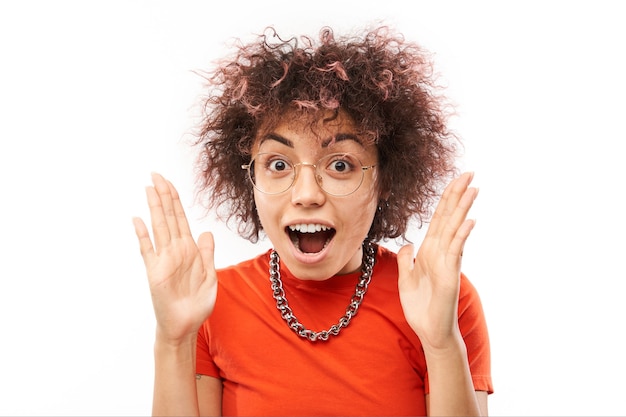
(452, 194)
(458, 243)
(448, 203)
(179, 211)
(165, 195)
(458, 217)
(405, 257)
(160, 228)
(145, 244)
(206, 246)
(460, 227)
(406, 263)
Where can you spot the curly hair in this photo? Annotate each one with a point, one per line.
(384, 83)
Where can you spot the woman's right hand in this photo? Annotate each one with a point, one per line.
(181, 273)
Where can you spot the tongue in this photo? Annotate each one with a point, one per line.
(312, 242)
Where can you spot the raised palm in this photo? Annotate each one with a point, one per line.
(181, 273)
(429, 283)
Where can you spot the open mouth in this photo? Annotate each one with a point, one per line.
(310, 238)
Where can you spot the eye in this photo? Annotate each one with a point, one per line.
(275, 163)
(278, 165)
(341, 164)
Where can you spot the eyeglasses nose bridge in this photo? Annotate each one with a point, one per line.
(317, 176)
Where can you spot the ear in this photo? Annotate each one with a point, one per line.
(383, 195)
(384, 190)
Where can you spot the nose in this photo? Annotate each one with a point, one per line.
(306, 190)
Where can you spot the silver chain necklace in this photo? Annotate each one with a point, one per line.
(287, 314)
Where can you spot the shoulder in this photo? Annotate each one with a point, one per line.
(250, 267)
(244, 276)
(467, 291)
(386, 258)
(242, 287)
(387, 264)
(471, 313)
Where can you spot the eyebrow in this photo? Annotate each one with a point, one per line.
(325, 143)
(277, 138)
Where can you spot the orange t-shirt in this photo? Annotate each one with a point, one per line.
(375, 366)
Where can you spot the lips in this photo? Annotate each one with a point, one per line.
(310, 237)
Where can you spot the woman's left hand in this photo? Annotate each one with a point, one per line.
(429, 284)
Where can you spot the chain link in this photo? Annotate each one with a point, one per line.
(286, 313)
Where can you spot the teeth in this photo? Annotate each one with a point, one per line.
(308, 228)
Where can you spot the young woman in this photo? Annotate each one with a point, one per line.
(326, 148)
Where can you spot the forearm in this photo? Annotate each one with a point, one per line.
(174, 379)
(451, 390)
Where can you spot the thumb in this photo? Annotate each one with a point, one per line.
(406, 264)
(406, 260)
(206, 246)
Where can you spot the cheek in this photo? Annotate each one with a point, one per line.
(366, 206)
(270, 212)
(263, 209)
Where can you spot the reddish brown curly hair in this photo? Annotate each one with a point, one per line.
(384, 83)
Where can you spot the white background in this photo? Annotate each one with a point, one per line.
(96, 95)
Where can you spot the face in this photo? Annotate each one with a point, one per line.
(316, 234)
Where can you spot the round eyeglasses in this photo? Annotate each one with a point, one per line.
(338, 174)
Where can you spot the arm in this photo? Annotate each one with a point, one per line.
(177, 388)
(209, 395)
(429, 293)
(450, 385)
(174, 379)
(183, 284)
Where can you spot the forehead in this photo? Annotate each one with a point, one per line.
(318, 130)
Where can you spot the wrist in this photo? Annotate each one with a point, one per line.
(166, 342)
(453, 345)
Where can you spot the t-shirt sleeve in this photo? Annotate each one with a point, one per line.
(473, 327)
(204, 361)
